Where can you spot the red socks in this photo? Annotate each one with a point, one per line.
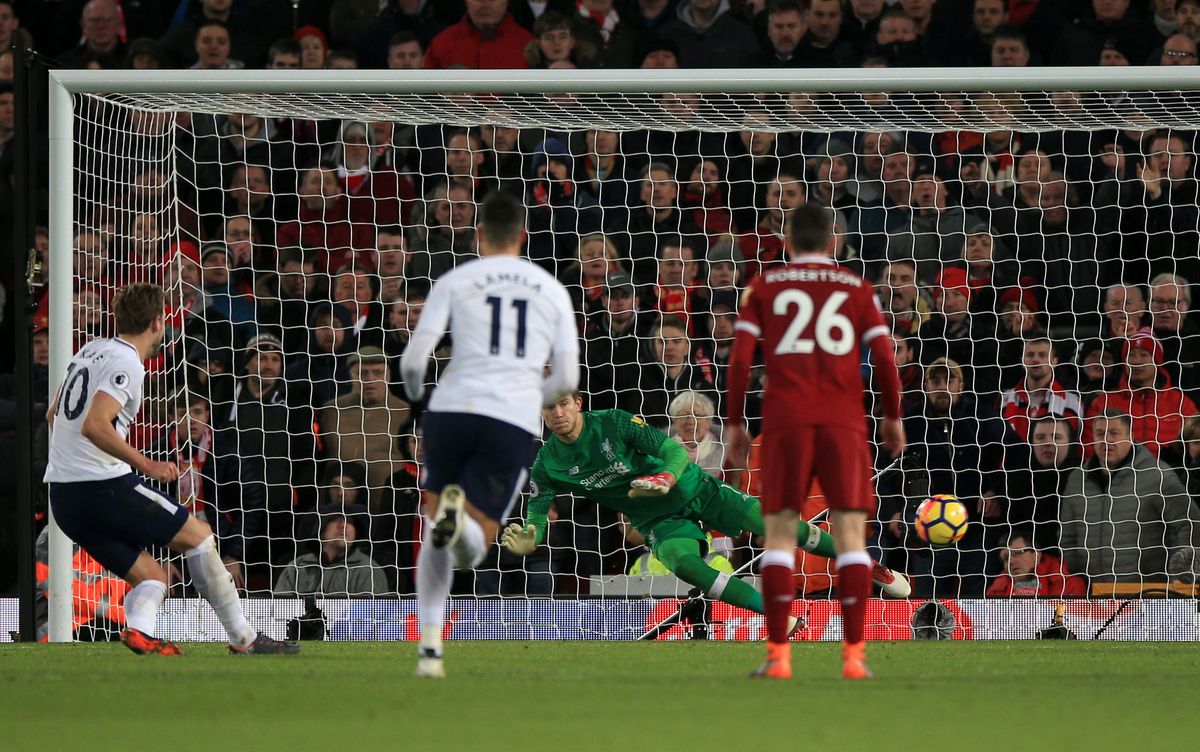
(854, 589)
(779, 590)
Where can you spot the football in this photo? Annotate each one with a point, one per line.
(941, 520)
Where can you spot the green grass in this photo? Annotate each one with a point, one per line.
(577, 696)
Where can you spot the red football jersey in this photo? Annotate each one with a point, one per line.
(813, 319)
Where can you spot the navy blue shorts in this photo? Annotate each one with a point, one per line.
(115, 520)
(489, 458)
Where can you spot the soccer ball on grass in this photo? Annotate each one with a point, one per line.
(941, 520)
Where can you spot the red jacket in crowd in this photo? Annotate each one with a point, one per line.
(1157, 413)
(463, 44)
(1054, 580)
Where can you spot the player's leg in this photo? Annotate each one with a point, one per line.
(787, 468)
(109, 524)
(444, 456)
(195, 540)
(854, 588)
(142, 604)
(492, 480)
(843, 476)
(677, 544)
(476, 469)
(749, 518)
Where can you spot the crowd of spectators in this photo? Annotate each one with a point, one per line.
(1039, 284)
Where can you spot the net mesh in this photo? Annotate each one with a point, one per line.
(1039, 246)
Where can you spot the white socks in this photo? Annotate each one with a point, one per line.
(774, 558)
(852, 558)
(434, 575)
(435, 572)
(470, 547)
(216, 586)
(142, 603)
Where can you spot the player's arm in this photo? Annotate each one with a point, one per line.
(564, 357)
(53, 409)
(435, 317)
(523, 540)
(99, 428)
(887, 376)
(648, 440)
(747, 333)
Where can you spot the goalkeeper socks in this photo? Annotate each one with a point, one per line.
(814, 540)
(470, 547)
(739, 593)
(718, 585)
(779, 590)
(435, 572)
(854, 588)
(215, 584)
(142, 603)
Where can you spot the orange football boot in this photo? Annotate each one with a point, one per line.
(778, 664)
(854, 661)
(143, 644)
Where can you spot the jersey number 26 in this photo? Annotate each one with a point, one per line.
(829, 321)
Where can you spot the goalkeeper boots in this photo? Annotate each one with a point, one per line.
(143, 644)
(264, 645)
(893, 583)
(447, 520)
(778, 664)
(429, 664)
(854, 661)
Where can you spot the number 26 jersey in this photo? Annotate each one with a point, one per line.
(114, 367)
(813, 319)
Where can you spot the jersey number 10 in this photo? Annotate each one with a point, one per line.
(497, 305)
(828, 322)
(74, 411)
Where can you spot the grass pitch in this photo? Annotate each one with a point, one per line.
(577, 696)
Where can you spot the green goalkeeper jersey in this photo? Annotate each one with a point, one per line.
(613, 449)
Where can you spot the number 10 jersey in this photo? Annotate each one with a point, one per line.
(814, 319)
(112, 366)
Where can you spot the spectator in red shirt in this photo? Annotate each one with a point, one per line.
(1039, 394)
(486, 37)
(1033, 573)
(1145, 393)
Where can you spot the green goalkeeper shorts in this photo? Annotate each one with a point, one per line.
(718, 506)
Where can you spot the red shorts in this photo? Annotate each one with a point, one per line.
(838, 457)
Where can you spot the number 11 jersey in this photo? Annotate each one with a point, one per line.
(506, 317)
(813, 318)
(114, 367)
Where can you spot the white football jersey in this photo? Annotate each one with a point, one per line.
(507, 318)
(114, 367)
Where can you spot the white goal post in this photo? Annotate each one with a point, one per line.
(935, 100)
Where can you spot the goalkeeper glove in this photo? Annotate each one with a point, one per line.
(520, 540)
(651, 485)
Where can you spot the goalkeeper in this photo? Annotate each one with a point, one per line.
(614, 459)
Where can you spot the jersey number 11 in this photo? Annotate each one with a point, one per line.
(497, 305)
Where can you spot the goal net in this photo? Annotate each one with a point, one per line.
(1033, 241)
